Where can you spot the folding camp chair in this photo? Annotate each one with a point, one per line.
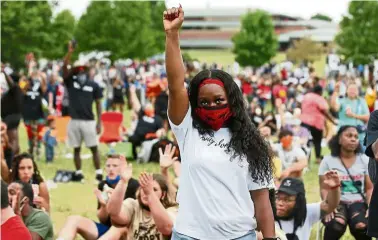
(61, 125)
(112, 128)
(61, 128)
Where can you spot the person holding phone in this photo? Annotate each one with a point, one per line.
(12, 226)
(21, 198)
(226, 165)
(25, 169)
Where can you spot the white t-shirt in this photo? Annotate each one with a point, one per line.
(303, 232)
(214, 199)
(358, 171)
(288, 158)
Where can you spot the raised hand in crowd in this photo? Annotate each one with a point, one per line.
(67, 59)
(166, 158)
(173, 19)
(126, 170)
(114, 204)
(166, 161)
(146, 183)
(331, 182)
(15, 202)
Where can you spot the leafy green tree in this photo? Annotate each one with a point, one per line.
(158, 7)
(124, 28)
(305, 50)
(357, 40)
(256, 43)
(62, 30)
(320, 16)
(25, 28)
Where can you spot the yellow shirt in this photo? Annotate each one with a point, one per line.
(277, 167)
(370, 97)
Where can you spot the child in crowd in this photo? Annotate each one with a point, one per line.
(49, 139)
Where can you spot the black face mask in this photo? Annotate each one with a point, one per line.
(82, 78)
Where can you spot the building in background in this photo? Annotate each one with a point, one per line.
(214, 29)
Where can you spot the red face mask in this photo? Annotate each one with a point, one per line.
(286, 141)
(215, 117)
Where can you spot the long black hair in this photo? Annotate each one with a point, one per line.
(36, 178)
(334, 143)
(299, 212)
(246, 140)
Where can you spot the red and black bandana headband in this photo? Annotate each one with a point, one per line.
(211, 81)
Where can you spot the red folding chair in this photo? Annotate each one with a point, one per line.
(112, 128)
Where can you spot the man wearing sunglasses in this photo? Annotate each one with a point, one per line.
(294, 216)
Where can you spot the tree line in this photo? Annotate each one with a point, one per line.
(256, 43)
(126, 29)
(134, 30)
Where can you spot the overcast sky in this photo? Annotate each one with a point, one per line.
(299, 8)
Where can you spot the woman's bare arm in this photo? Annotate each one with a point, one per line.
(178, 102)
(44, 193)
(263, 212)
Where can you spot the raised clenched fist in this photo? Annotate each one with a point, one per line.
(173, 19)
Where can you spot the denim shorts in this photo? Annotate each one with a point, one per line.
(251, 235)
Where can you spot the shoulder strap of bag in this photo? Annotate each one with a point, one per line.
(354, 183)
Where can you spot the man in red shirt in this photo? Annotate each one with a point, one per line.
(12, 226)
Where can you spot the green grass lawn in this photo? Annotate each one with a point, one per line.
(225, 57)
(78, 198)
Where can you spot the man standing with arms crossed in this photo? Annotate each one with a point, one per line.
(372, 152)
(82, 92)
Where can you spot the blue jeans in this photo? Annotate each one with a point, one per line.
(49, 153)
(251, 235)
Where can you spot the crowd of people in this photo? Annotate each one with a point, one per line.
(238, 143)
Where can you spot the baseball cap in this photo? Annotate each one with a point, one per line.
(292, 186)
(80, 68)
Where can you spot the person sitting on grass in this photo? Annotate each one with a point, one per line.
(12, 226)
(93, 230)
(294, 216)
(356, 187)
(37, 221)
(25, 169)
(151, 216)
(293, 158)
(148, 125)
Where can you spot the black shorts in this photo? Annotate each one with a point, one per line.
(12, 121)
(118, 100)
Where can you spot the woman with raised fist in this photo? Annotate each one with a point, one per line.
(226, 165)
